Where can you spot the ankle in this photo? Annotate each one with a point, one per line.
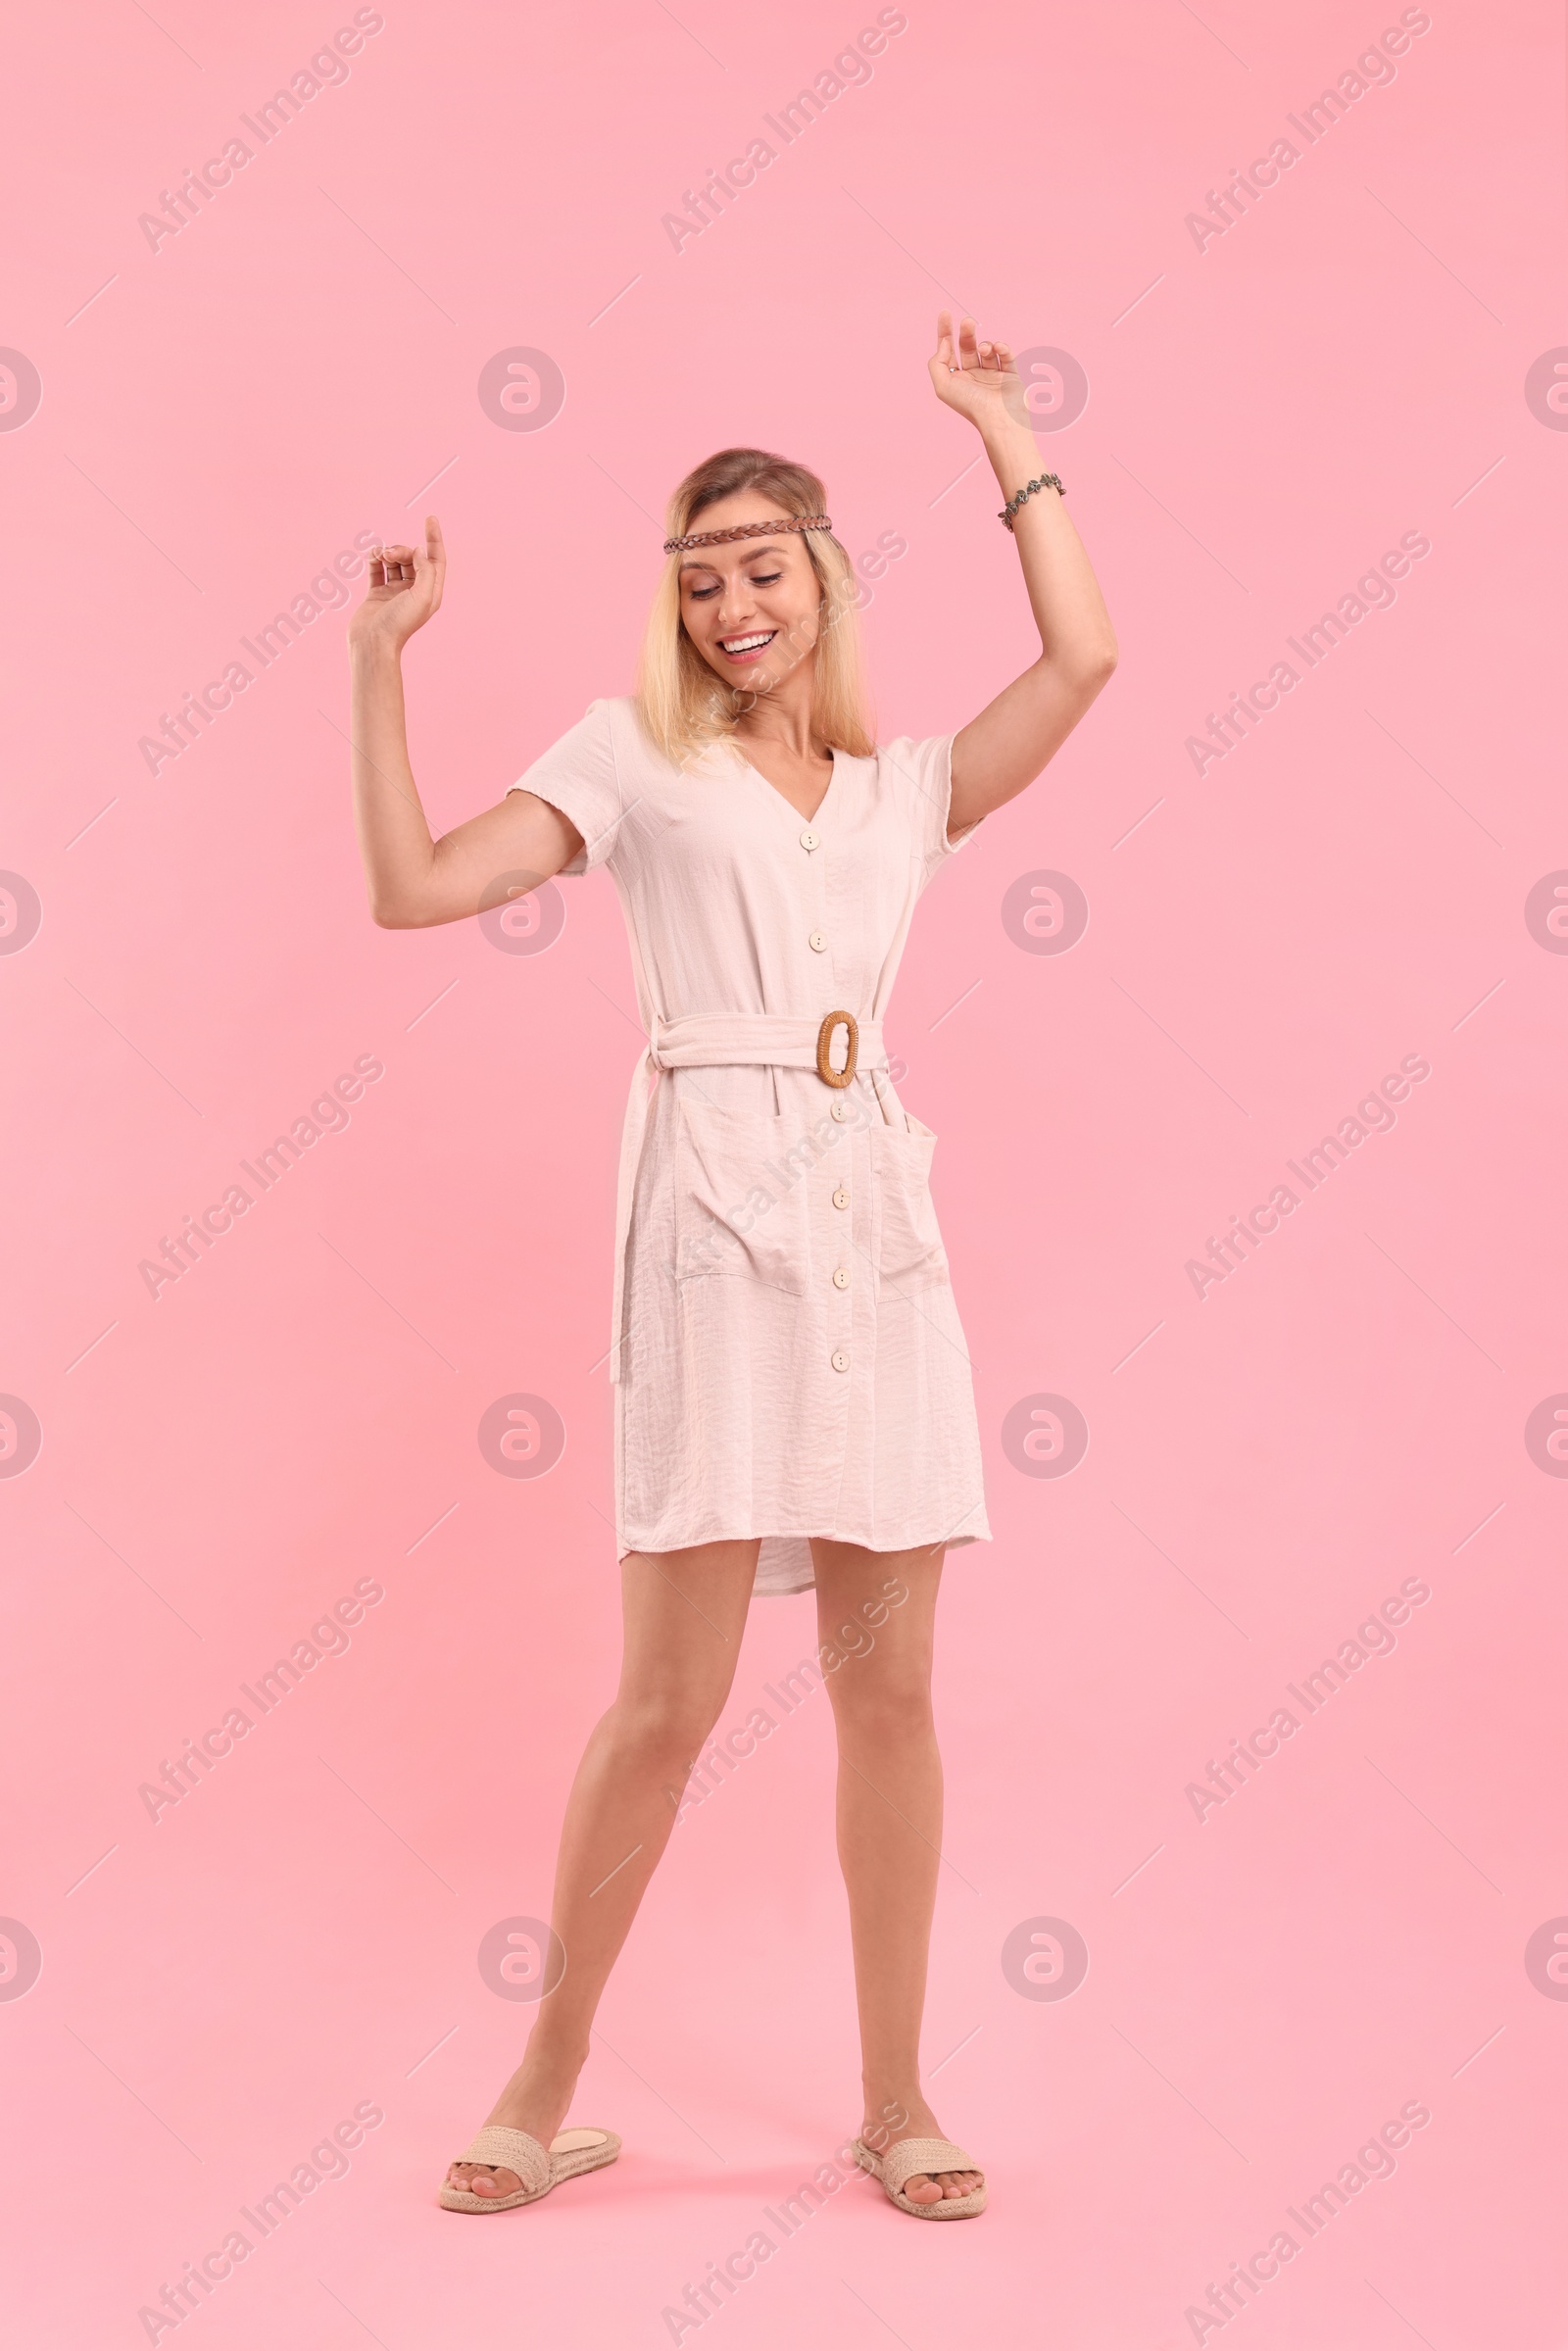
(554, 2057)
(890, 2114)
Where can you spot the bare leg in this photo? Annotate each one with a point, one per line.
(889, 1819)
(684, 1613)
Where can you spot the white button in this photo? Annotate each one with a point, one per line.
(808, 839)
(840, 1360)
(840, 1199)
(838, 1111)
(841, 1277)
(819, 942)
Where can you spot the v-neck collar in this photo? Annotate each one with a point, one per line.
(773, 791)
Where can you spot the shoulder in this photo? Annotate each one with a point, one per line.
(589, 735)
(607, 739)
(916, 771)
(635, 754)
(914, 764)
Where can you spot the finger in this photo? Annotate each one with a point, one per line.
(435, 557)
(376, 567)
(1005, 358)
(944, 329)
(968, 350)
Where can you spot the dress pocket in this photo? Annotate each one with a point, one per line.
(908, 1245)
(741, 1208)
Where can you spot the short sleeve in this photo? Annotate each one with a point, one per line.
(921, 775)
(580, 776)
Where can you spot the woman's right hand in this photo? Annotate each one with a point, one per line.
(404, 590)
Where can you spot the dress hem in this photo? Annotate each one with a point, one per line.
(951, 1542)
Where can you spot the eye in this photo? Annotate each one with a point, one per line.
(765, 580)
(698, 595)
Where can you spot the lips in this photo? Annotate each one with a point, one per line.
(747, 649)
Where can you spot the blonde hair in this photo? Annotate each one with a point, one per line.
(683, 705)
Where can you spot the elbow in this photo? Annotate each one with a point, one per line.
(1093, 665)
(388, 916)
(1080, 671)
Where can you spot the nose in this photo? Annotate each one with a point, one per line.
(736, 606)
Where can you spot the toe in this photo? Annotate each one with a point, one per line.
(492, 2183)
(482, 2180)
(920, 2188)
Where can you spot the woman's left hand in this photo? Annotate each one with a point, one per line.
(978, 379)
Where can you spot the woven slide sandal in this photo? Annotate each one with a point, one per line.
(928, 2156)
(540, 2169)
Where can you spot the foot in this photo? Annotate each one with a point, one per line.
(535, 2100)
(912, 2118)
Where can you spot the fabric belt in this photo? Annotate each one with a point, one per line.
(701, 1040)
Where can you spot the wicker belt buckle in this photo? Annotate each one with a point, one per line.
(824, 1043)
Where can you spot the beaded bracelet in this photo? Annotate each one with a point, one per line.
(1045, 481)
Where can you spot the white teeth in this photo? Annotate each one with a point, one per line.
(745, 644)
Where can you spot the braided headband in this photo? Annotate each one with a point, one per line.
(747, 530)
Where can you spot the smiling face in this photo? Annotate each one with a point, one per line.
(750, 607)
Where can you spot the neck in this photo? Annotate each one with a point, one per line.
(783, 714)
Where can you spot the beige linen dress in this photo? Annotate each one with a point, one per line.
(785, 1348)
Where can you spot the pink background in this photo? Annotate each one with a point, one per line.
(1266, 1986)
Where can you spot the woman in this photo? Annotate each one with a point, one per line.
(793, 1401)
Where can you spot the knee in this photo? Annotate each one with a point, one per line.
(664, 1730)
(887, 1708)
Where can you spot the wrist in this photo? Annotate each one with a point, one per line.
(1011, 445)
(374, 656)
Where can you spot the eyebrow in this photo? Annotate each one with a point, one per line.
(693, 562)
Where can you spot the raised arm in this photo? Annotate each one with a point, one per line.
(1005, 747)
(411, 879)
